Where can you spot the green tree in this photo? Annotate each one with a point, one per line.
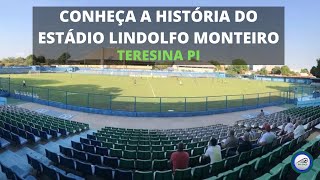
(239, 66)
(305, 70)
(315, 70)
(231, 71)
(213, 62)
(12, 61)
(263, 71)
(285, 70)
(216, 63)
(239, 62)
(292, 73)
(30, 59)
(62, 59)
(276, 70)
(40, 60)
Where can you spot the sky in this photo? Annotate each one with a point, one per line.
(302, 23)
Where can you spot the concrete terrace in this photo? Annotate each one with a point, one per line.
(98, 121)
(13, 154)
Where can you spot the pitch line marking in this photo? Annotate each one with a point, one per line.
(154, 95)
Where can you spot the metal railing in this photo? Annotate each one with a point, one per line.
(143, 104)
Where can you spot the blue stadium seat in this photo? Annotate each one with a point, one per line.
(7, 126)
(45, 130)
(7, 171)
(14, 130)
(89, 148)
(65, 151)
(104, 172)
(36, 132)
(123, 175)
(94, 158)
(76, 145)
(33, 138)
(6, 134)
(63, 132)
(67, 162)
(54, 157)
(49, 172)
(79, 155)
(45, 135)
(103, 151)
(27, 128)
(17, 139)
(22, 133)
(91, 137)
(110, 161)
(34, 163)
(54, 133)
(4, 143)
(85, 168)
(16, 173)
(84, 140)
(96, 143)
(69, 176)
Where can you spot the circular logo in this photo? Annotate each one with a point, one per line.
(302, 162)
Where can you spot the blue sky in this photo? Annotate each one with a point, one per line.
(302, 27)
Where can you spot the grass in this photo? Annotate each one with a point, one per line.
(122, 93)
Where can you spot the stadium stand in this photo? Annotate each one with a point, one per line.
(20, 125)
(283, 169)
(118, 153)
(4, 143)
(93, 159)
(14, 173)
(276, 120)
(139, 153)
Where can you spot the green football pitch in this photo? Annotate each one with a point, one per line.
(143, 93)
